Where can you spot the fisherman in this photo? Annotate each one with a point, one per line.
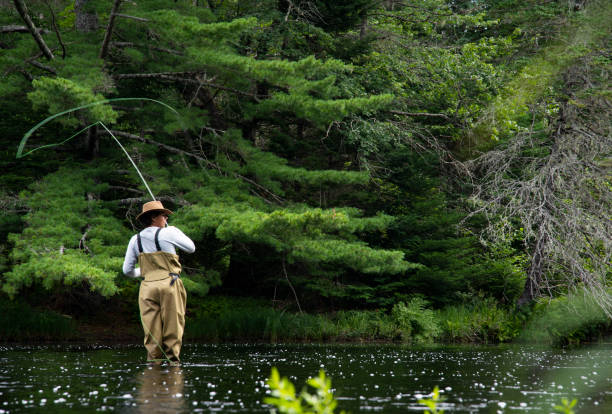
(162, 297)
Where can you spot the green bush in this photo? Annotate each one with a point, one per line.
(481, 320)
(415, 321)
(567, 320)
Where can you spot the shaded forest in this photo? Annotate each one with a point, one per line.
(424, 161)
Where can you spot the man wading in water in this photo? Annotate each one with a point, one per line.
(162, 296)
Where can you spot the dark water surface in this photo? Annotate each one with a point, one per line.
(231, 378)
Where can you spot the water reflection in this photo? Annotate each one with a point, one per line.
(160, 390)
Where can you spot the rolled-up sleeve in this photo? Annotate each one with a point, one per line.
(129, 263)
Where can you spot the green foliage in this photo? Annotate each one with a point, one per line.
(285, 400)
(69, 236)
(219, 318)
(478, 321)
(58, 94)
(415, 321)
(301, 158)
(566, 406)
(433, 402)
(21, 322)
(509, 112)
(567, 320)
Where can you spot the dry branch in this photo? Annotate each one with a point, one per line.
(145, 46)
(56, 29)
(178, 77)
(199, 158)
(39, 65)
(127, 16)
(425, 114)
(14, 28)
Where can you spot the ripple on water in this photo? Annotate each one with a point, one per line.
(232, 378)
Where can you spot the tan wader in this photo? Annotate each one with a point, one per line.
(162, 301)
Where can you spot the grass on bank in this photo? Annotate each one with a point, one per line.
(21, 322)
(566, 320)
(226, 319)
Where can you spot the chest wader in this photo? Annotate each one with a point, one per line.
(162, 301)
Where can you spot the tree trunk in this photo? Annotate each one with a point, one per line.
(363, 28)
(85, 21)
(23, 12)
(109, 29)
(93, 142)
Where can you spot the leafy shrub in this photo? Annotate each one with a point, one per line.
(481, 320)
(567, 320)
(415, 321)
(285, 400)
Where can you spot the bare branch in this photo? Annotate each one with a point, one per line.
(14, 28)
(554, 187)
(126, 16)
(177, 77)
(199, 158)
(425, 114)
(82, 244)
(39, 65)
(145, 46)
(56, 29)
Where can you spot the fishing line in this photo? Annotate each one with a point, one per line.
(130, 158)
(27, 135)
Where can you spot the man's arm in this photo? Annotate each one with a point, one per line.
(129, 263)
(179, 239)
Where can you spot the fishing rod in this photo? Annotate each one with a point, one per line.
(21, 154)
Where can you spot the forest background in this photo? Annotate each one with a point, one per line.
(423, 170)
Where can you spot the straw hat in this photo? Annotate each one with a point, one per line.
(153, 206)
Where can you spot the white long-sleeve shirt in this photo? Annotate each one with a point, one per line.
(169, 238)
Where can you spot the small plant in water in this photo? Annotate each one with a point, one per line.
(432, 403)
(284, 399)
(566, 406)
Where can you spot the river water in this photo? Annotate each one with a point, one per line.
(366, 378)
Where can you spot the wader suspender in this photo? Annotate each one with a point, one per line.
(156, 241)
(174, 275)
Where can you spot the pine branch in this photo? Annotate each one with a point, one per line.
(176, 76)
(23, 12)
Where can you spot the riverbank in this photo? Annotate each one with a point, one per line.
(222, 319)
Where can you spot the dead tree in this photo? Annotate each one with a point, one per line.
(554, 184)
